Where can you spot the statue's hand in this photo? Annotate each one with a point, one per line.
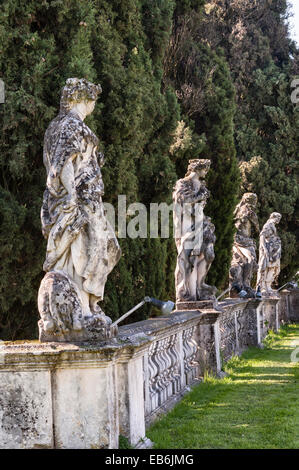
(204, 191)
(101, 159)
(70, 203)
(80, 222)
(200, 196)
(210, 254)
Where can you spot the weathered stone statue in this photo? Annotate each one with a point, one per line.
(82, 248)
(269, 255)
(194, 235)
(244, 264)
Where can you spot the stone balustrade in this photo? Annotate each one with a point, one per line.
(62, 395)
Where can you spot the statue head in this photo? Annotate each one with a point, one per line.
(79, 90)
(275, 217)
(249, 198)
(198, 166)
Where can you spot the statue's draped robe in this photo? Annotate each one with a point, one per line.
(244, 247)
(269, 256)
(85, 252)
(188, 217)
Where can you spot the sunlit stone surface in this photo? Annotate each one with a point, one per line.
(82, 248)
(269, 255)
(244, 264)
(194, 234)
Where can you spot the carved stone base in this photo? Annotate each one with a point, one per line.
(63, 318)
(96, 328)
(270, 295)
(196, 305)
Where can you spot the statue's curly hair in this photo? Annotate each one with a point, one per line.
(249, 198)
(76, 90)
(197, 165)
(276, 215)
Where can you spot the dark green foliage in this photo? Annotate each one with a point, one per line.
(184, 7)
(273, 175)
(148, 55)
(223, 179)
(203, 83)
(42, 44)
(263, 61)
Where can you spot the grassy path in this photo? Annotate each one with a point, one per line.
(255, 407)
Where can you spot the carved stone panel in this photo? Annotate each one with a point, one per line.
(163, 370)
(190, 351)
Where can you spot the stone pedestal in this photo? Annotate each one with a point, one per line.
(210, 357)
(284, 306)
(289, 305)
(238, 326)
(131, 418)
(71, 397)
(271, 317)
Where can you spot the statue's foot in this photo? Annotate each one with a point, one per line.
(77, 326)
(96, 309)
(49, 326)
(207, 292)
(62, 312)
(97, 320)
(250, 292)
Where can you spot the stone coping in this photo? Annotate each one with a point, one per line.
(156, 325)
(132, 338)
(33, 355)
(249, 303)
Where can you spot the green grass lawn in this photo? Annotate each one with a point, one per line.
(255, 407)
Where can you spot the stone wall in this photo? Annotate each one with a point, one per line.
(56, 395)
(238, 326)
(289, 306)
(182, 347)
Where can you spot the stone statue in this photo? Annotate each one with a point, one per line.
(269, 255)
(82, 248)
(194, 235)
(244, 264)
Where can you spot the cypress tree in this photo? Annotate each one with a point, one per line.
(263, 61)
(204, 86)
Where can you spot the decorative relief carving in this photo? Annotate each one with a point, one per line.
(163, 370)
(228, 338)
(190, 351)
